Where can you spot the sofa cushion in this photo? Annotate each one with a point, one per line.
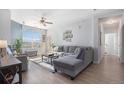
(68, 54)
(65, 49)
(31, 53)
(71, 49)
(77, 52)
(60, 49)
(81, 55)
(68, 62)
(60, 53)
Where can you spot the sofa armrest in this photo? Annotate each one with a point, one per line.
(24, 60)
(88, 55)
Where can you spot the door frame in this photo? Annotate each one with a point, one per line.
(99, 35)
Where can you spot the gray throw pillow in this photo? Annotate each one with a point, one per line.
(60, 49)
(71, 49)
(77, 52)
(82, 55)
(65, 49)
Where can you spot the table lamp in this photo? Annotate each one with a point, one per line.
(3, 46)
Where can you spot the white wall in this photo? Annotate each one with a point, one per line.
(82, 33)
(5, 33)
(122, 42)
(102, 41)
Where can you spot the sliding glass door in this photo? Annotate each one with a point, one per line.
(32, 39)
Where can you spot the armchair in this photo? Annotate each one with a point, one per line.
(21, 57)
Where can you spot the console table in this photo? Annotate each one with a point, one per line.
(9, 61)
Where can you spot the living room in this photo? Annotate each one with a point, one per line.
(35, 37)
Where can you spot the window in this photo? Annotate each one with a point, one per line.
(31, 39)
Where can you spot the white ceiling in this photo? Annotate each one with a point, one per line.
(59, 17)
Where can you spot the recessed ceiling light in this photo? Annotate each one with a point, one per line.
(111, 21)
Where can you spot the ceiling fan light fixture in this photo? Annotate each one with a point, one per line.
(44, 22)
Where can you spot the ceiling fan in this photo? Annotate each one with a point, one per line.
(44, 22)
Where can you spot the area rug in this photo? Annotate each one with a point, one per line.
(41, 63)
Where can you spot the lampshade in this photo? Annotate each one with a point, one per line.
(3, 43)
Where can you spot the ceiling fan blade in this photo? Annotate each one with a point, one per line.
(49, 22)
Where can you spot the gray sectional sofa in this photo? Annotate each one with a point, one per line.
(73, 59)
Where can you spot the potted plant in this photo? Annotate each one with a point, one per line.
(18, 45)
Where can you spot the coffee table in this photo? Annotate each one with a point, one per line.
(49, 56)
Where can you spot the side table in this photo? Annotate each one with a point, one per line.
(8, 62)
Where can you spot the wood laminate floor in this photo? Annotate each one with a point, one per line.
(108, 71)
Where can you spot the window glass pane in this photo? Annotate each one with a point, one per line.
(31, 39)
(27, 36)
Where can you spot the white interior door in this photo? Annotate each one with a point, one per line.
(111, 43)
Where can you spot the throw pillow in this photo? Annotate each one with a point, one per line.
(65, 49)
(81, 55)
(60, 49)
(71, 49)
(77, 52)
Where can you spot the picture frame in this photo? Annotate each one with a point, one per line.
(67, 35)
